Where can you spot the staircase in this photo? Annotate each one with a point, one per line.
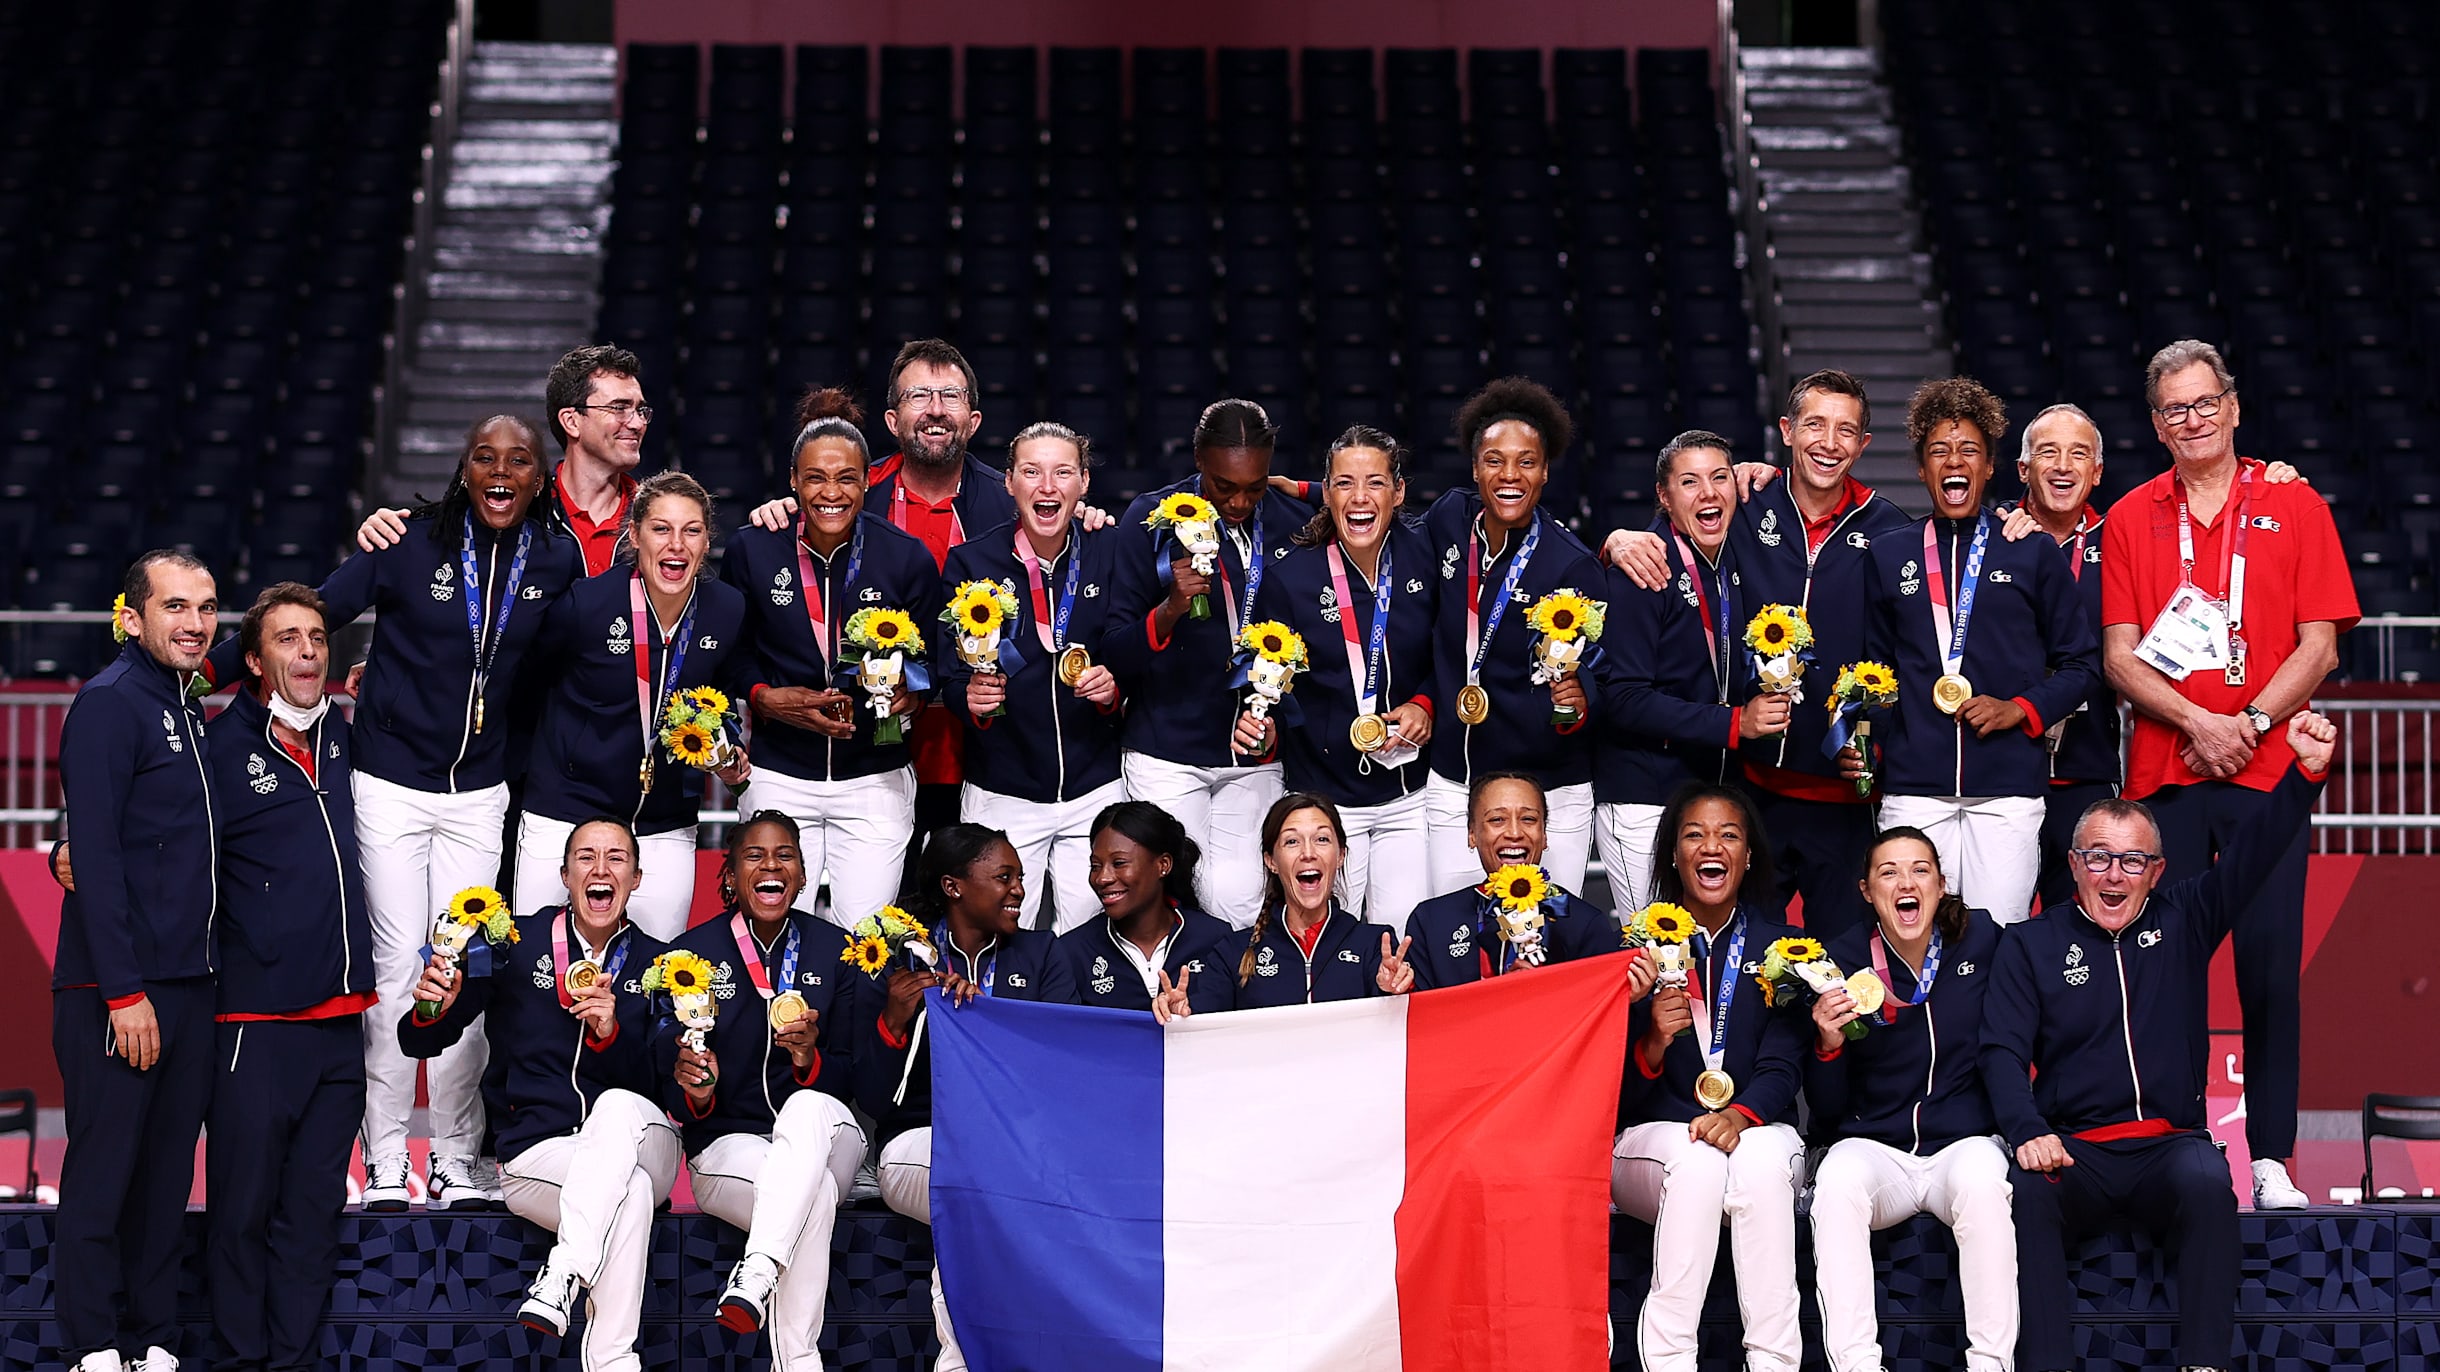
(1843, 279)
(509, 276)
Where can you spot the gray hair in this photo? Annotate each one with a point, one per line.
(1051, 428)
(2024, 441)
(1688, 442)
(2176, 358)
(2115, 807)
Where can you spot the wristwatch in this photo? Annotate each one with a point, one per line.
(2262, 722)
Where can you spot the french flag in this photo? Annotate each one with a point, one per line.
(1402, 1183)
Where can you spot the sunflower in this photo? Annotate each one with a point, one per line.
(1181, 507)
(705, 700)
(691, 744)
(1667, 923)
(976, 609)
(680, 973)
(118, 630)
(878, 629)
(1273, 641)
(1518, 887)
(1795, 950)
(481, 907)
(1562, 615)
(1779, 629)
(867, 955)
(1876, 679)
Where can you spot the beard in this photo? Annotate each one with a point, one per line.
(949, 453)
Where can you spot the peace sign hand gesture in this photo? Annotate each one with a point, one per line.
(1171, 1003)
(1396, 976)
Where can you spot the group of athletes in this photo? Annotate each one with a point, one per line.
(1090, 805)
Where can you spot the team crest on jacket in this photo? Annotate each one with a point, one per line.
(1414, 585)
(258, 775)
(444, 582)
(1859, 540)
(1103, 982)
(1265, 965)
(1964, 969)
(1462, 941)
(1329, 601)
(618, 643)
(782, 583)
(2147, 938)
(1448, 564)
(2076, 972)
(1999, 576)
(1768, 530)
(1092, 590)
(1686, 590)
(1910, 579)
(1349, 955)
(543, 980)
(724, 982)
(530, 593)
(870, 595)
(1016, 979)
(707, 643)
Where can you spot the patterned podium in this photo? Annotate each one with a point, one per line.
(2324, 1288)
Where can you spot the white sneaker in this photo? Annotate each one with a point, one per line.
(107, 1360)
(453, 1186)
(157, 1359)
(385, 1184)
(487, 1180)
(549, 1302)
(2272, 1188)
(747, 1301)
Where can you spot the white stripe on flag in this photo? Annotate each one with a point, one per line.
(1285, 1149)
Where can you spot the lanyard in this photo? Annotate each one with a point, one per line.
(898, 506)
(1238, 614)
(816, 614)
(1480, 630)
(559, 951)
(1050, 625)
(2075, 549)
(1947, 626)
(487, 644)
(673, 656)
(982, 969)
(1714, 1025)
(1923, 984)
(1367, 663)
(2232, 559)
(750, 952)
(1713, 635)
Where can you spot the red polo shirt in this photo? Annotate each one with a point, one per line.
(2295, 573)
(598, 542)
(938, 742)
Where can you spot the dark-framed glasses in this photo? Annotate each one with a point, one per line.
(620, 411)
(2098, 861)
(2204, 407)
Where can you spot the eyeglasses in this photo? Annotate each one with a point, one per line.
(2098, 861)
(2204, 408)
(920, 397)
(620, 411)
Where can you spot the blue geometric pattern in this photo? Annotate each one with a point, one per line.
(2336, 1287)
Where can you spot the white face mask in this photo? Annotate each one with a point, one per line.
(297, 717)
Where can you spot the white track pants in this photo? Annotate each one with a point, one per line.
(784, 1191)
(905, 1175)
(1862, 1186)
(1222, 809)
(662, 900)
(419, 848)
(1990, 847)
(1054, 842)
(1685, 1190)
(1389, 859)
(596, 1189)
(1626, 836)
(1568, 827)
(857, 831)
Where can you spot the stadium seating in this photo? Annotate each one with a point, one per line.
(1116, 240)
(196, 268)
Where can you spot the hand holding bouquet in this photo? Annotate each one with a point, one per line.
(1194, 524)
(1273, 654)
(881, 641)
(1781, 641)
(1861, 686)
(1517, 891)
(695, 728)
(475, 910)
(886, 934)
(687, 980)
(1567, 623)
(977, 616)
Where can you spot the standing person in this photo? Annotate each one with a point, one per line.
(1179, 746)
(1456, 936)
(1804, 542)
(1359, 587)
(296, 979)
(1990, 645)
(1150, 938)
(972, 897)
(585, 1151)
(131, 987)
(2271, 596)
(2059, 464)
(1499, 552)
(1913, 1124)
(1042, 740)
(816, 755)
(2095, 1056)
(763, 1107)
(1673, 669)
(1708, 1097)
(624, 645)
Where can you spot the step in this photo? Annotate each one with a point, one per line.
(601, 109)
(487, 336)
(574, 316)
(1817, 244)
(576, 55)
(1850, 290)
(1800, 215)
(1795, 58)
(601, 132)
(452, 413)
(1912, 312)
(1823, 138)
(424, 383)
(1883, 180)
(464, 288)
(550, 152)
(507, 223)
(575, 196)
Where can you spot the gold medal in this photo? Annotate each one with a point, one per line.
(1714, 1089)
(581, 975)
(478, 714)
(643, 773)
(1950, 692)
(1073, 664)
(1866, 990)
(785, 1009)
(1473, 703)
(1368, 733)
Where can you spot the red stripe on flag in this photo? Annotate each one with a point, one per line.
(1504, 1232)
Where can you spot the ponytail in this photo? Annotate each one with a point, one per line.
(1156, 831)
(1274, 891)
(829, 412)
(1322, 528)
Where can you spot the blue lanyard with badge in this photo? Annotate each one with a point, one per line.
(487, 646)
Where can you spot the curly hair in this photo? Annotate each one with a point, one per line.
(1960, 398)
(1520, 398)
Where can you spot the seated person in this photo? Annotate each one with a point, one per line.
(1458, 937)
(1149, 932)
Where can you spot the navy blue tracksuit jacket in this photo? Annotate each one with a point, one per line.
(2089, 747)
(1102, 974)
(982, 498)
(1519, 734)
(1345, 962)
(2028, 640)
(1028, 966)
(1765, 1049)
(755, 1076)
(1180, 706)
(294, 927)
(1913, 1083)
(1050, 744)
(895, 571)
(1314, 752)
(545, 1070)
(1457, 938)
(1669, 694)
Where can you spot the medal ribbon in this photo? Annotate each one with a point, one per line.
(1480, 630)
(2232, 557)
(1237, 614)
(1923, 984)
(559, 957)
(1051, 625)
(816, 614)
(1947, 626)
(1711, 1022)
(898, 506)
(673, 655)
(2075, 549)
(750, 953)
(487, 644)
(1714, 636)
(1365, 664)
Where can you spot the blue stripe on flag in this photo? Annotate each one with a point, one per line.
(1046, 1184)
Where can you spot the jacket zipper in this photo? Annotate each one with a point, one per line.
(1957, 726)
(338, 865)
(474, 677)
(576, 1055)
(2126, 1021)
(1931, 1031)
(237, 1045)
(211, 826)
(1804, 599)
(1059, 730)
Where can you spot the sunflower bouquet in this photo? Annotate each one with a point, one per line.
(1517, 893)
(977, 615)
(686, 978)
(695, 728)
(475, 910)
(1860, 686)
(1664, 928)
(1194, 524)
(1568, 623)
(1791, 964)
(1781, 641)
(884, 935)
(884, 643)
(1273, 654)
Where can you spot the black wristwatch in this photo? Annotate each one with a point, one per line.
(2262, 722)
